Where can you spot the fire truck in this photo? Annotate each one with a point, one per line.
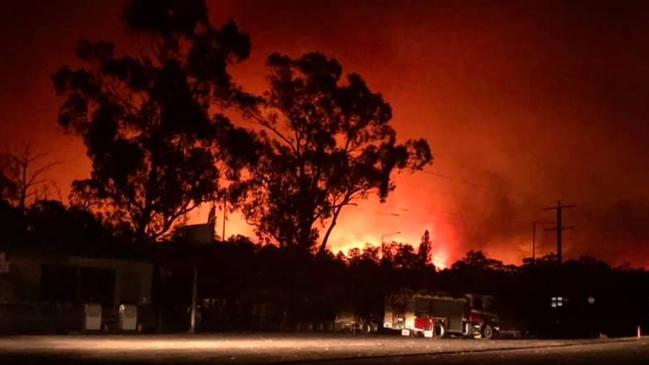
(437, 315)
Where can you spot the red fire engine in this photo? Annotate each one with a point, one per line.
(437, 315)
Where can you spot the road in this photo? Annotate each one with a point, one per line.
(311, 348)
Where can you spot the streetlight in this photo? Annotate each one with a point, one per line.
(388, 235)
(383, 237)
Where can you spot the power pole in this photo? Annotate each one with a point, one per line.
(559, 227)
(192, 317)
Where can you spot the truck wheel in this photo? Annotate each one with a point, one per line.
(488, 332)
(366, 328)
(439, 330)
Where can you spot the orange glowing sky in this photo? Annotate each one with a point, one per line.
(522, 103)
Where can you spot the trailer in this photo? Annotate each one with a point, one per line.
(437, 315)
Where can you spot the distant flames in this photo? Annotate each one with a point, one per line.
(440, 260)
(442, 237)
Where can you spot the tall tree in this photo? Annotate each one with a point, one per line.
(150, 121)
(425, 249)
(326, 142)
(7, 186)
(22, 175)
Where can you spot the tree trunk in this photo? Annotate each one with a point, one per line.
(323, 245)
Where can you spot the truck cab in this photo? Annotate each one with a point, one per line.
(482, 319)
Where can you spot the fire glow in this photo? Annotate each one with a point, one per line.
(465, 88)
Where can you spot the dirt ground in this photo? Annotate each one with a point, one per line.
(309, 348)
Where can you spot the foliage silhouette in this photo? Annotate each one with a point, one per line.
(22, 176)
(326, 142)
(149, 121)
(297, 287)
(8, 187)
(425, 250)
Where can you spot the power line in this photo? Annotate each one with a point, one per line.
(455, 179)
(534, 224)
(410, 212)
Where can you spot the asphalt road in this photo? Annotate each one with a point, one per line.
(310, 348)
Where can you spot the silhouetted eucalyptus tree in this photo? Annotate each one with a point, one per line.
(7, 186)
(425, 251)
(22, 176)
(326, 143)
(149, 121)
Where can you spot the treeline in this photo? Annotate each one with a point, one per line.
(312, 288)
(598, 298)
(51, 227)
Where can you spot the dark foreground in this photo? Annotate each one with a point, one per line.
(327, 349)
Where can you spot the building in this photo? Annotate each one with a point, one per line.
(50, 293)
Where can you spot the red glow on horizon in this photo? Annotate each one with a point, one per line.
(519, 105)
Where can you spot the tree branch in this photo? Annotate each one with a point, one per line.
(266, 124)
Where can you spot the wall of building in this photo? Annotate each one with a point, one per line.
(133, 280)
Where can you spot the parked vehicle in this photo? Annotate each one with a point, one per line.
(438, 315)
(349, 322)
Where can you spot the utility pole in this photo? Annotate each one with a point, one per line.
(388, 235)
(192, 318)
(559, 228)
(383, 240)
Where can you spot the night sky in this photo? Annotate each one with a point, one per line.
(523, 104)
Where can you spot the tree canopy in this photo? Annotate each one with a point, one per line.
(8, 188)
(150, 122)
(22, 176)
(326, 142)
